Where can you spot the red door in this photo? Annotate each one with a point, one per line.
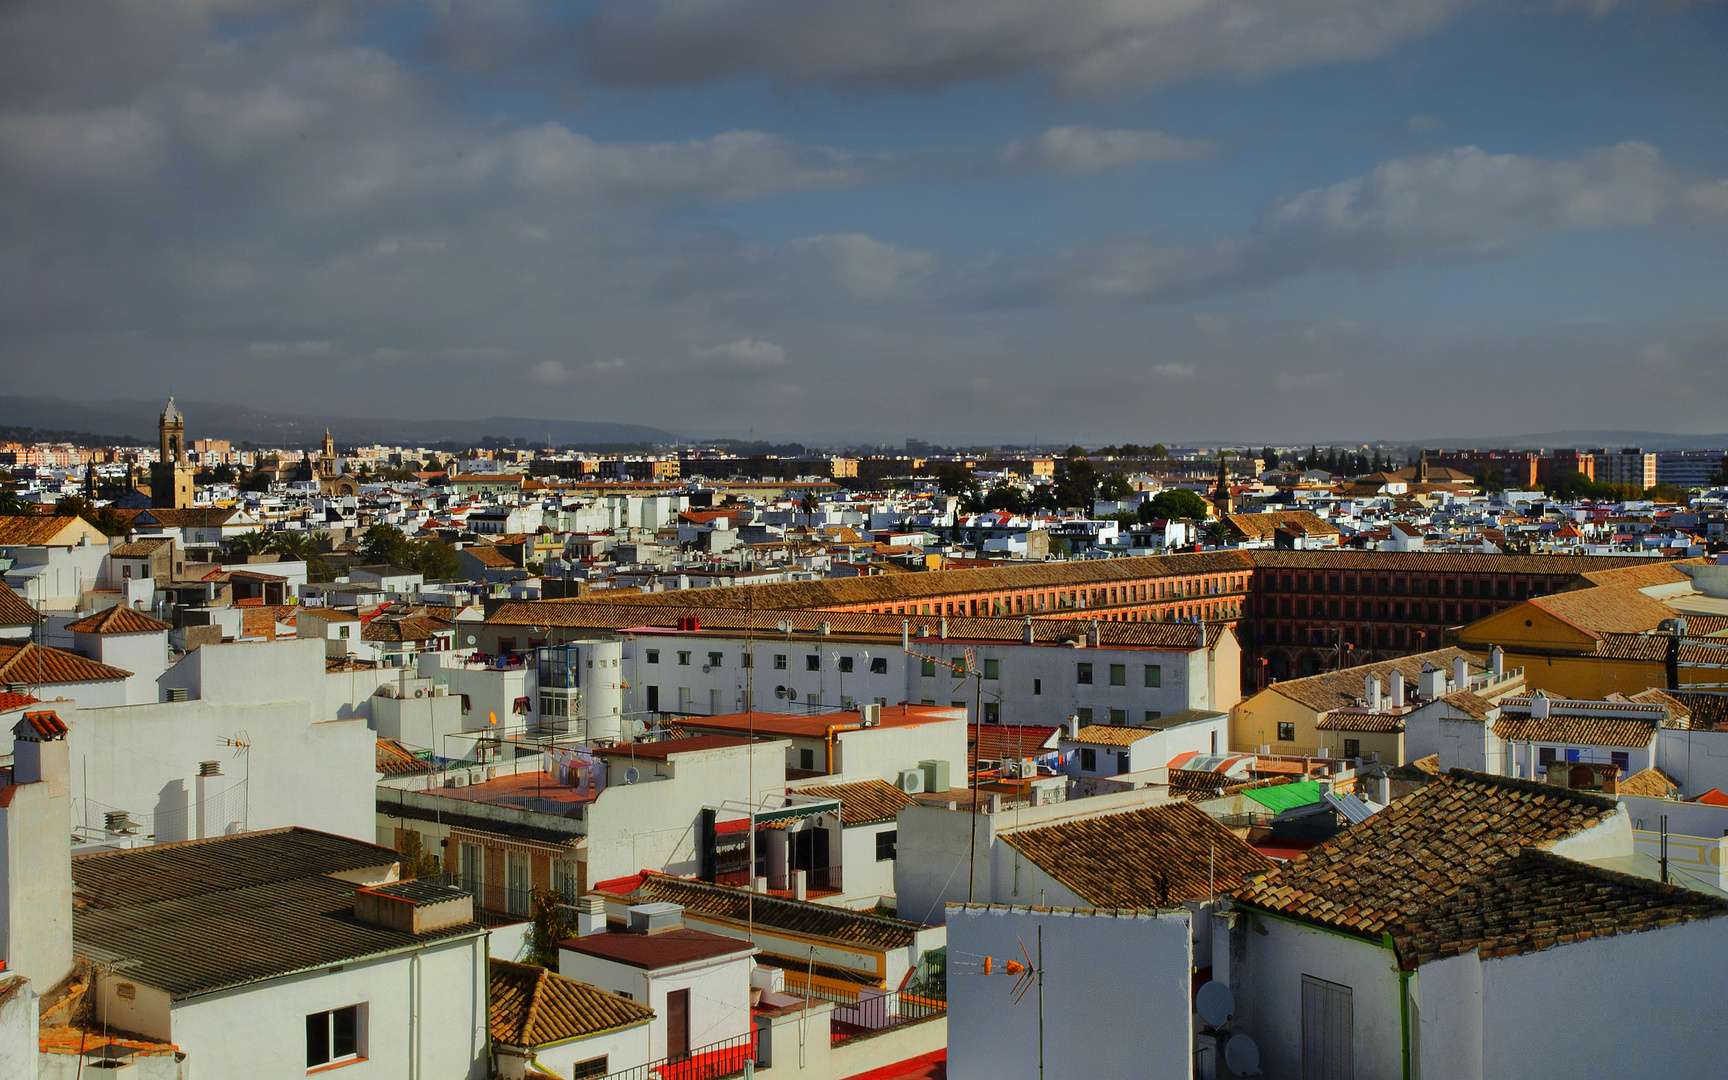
(678, 1024)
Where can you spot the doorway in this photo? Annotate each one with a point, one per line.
(677, 1024)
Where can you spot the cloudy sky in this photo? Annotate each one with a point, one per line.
(994, 220)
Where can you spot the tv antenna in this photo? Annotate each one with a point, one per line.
(1028, 973)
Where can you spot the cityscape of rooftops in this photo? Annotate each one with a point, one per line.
(648, 540)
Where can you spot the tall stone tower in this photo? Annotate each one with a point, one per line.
(1221, 498)
(327, 458)
(171, 475)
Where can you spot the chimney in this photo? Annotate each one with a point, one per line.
(1383, 788)
(36, 853)
(1026, 631)
(1073, 725)
(1539, 706)
(943, 631)
(413, 907)
(590, 915)
(1371, 692)
(1092, 634)
(1460, 673)
(1497, 661)
(905, 633)
(1431, 684)
(207, 790)
(1397, 694)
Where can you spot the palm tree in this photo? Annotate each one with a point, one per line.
(302, 547)
(252, 543)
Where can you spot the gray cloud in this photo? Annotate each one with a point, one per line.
(1087, 44)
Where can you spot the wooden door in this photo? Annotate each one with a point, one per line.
(678, 1024)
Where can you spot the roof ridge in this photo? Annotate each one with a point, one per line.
(533, 1015)
(1528, 855)
(1533, 787)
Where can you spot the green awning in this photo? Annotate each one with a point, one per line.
(1284, 797)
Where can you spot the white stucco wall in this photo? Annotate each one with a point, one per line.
(260, 1031)
(719, 993)
(1446, 1015)
(144, 655)
(1115, 990)
(1609, 1007)
(1266, 977)
(144, 759)
(1697, 759)
(622, 1050)
(883, 752)
(860, 873)
(19, 1020)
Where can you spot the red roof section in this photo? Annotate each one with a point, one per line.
(660, 751)
(931, 1066)
(1713, 797)
(45, 724)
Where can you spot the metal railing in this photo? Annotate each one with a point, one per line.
(712, 1062)
(868, 1010)
(498, 899)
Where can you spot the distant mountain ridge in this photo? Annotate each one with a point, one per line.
(219, 420)
(1584, 440)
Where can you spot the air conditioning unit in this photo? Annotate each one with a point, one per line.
(911, 781)
(476, 776)
(870, 715)
(456, 780)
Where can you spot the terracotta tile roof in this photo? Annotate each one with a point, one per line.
(1341, 689)
(1473, 705)
(406, 628)
(1576, 730)
(777, 912)
(1262, 526)
(1537, 900)
(867, 802)
(1201, 784)
(10, 700)
(1415, 853)
(1658, 572)
(1647, 647)
(24, 530)
(1707, 709)
(1650, 783)
(1107, 735)
(1606, 609)
(1146, 858)
(14, 609)
(1014, 741)
(531, 1007)
(1442, 562)
(489, 555)
(1351, 720)
(191, 517)
(43, 725)
(36, 665)
(139, 549)
(119, 619)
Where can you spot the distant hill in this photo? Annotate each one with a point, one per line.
(1584, 440)
(218, 420)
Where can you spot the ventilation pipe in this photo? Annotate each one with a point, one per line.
(1371, 692)
(905, 633)
(1026, 631)
(1497, 661)
(1397, 694)
(1460, 673)
(207, 789)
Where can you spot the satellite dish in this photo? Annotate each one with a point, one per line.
(631, 776)
(492, 718)
(785, 626)
(1242, 1055)
(1215, 1004)
(470, 639)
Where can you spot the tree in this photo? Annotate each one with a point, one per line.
(105, 518)
(551, 924)
(301, 547)
(1078, 486)
(433, 558)
(1115, 487)
(1159, 450)
(251, 543)
(384, 544)
(1007, 498)
(12, 505)
(953, 478)
(1178, 504)
(1075, 451)
(1665, 492)
(258, 481)
(417, 862)
(1217, 534)
(1270, 457)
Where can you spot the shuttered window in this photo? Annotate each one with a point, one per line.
(1327, 1023)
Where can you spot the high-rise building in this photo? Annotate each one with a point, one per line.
(1630, 466)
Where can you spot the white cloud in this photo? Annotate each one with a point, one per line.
(1423, 122)
(1173, 372)
(277, 350)
(551, 372)
(745, 354)
(1296, 381)
(865, 267)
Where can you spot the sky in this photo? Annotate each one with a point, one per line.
(1000, 221)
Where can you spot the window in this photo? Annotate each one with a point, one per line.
(1328, 1023)
(1287, 732)
(878, 665)
(1083, 715)
(342, 633)
(1152, 714)
(813, 662)
(992, 669)
(333, 1036)
(780, 661)
(506, 644)
(845, 665)
(746, 660)
(1083, 674)
(1622, 760)
(714, 659)
(992, 712)
(683, 658)
(927, 668)
(1119, 717)
(1154, 675)
(1123, 762)
(1088, 759)
(885, 842)
(1352, 748)
(1118, 674)
(807, 759)
(1037, 686)
(1545, 756)
(653, 656)
(593, 1067)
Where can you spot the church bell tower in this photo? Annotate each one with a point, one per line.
(171, 475)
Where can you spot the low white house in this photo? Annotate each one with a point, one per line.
(546, 1022)
(342, 964)
(697, 983)
(1464, 932)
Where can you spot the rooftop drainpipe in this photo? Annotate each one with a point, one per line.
(828, 743)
